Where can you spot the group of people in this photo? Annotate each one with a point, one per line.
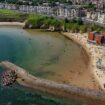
(8, 77)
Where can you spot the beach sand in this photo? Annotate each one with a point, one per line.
(95, 75)
(12, 23)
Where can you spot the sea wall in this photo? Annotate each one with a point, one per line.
(54, 88)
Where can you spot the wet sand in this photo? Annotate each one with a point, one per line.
(76, 75)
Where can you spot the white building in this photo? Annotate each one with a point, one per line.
(10, 6)
(46, 10)
(1, 5)
(101, 18)
(88, 15)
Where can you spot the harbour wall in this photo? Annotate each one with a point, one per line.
(92, 97)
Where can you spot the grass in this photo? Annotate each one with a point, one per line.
(8, 12)
(12, 15)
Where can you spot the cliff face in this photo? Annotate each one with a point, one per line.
(54, 88)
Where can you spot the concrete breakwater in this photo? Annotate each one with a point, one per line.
(54, 88)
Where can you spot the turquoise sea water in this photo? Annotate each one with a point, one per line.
(41, 54)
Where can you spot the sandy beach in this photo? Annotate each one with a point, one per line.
(95, 52)
(12, 23)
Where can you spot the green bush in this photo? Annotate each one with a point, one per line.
(37, 21)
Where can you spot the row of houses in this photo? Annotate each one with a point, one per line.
(60, 10)
(87, 1)
(96, 16)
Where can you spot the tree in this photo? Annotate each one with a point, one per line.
(79, 22)
(35, 21)
(83, 28)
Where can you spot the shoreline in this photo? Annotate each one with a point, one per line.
(93, 56)
(12, 24)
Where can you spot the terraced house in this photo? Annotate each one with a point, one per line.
(61, 10)
(96, 16)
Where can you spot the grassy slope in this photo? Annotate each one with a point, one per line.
(10, 14)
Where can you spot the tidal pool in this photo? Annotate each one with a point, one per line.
(44, 54)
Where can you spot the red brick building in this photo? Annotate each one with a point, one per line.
(98, 37)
